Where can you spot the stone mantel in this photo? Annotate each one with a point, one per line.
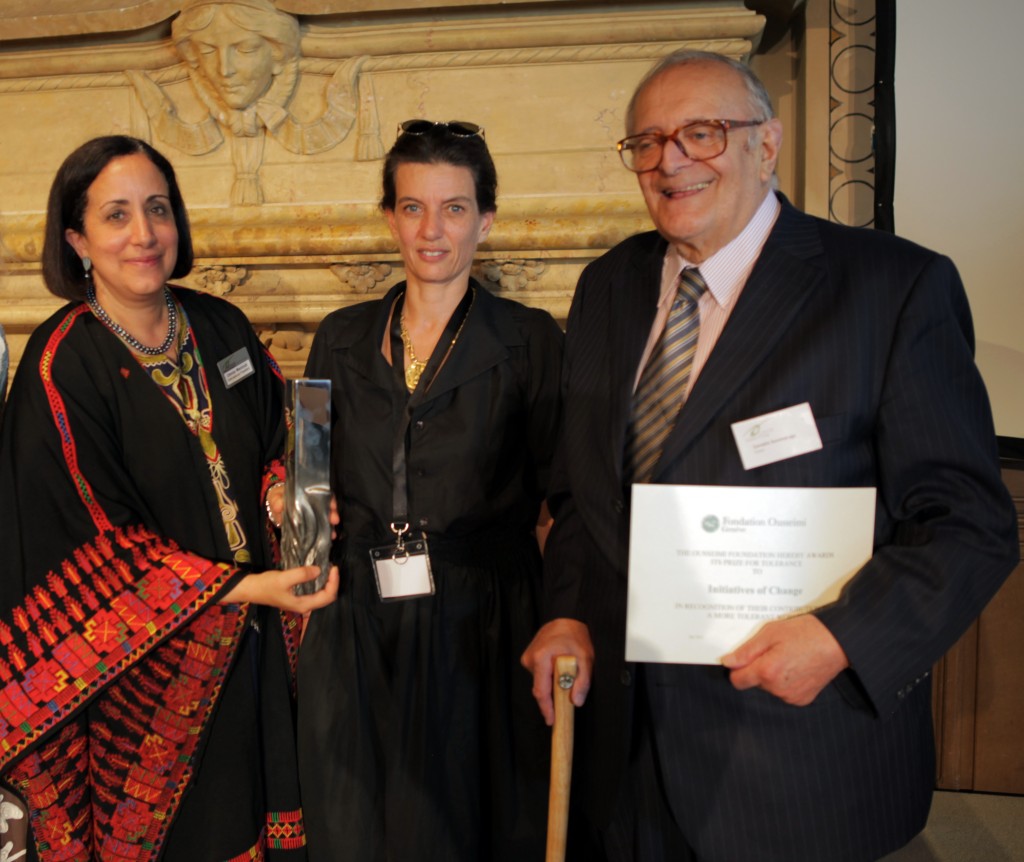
(282, 191)
(55, 19)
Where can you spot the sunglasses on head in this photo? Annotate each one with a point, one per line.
(459, 128)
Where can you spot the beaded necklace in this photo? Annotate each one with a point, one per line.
(125, 335)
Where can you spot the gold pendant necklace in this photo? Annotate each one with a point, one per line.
(414, 370)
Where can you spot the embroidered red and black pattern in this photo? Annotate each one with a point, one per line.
(121, 594)
(292, 628)
(285, 830)
(272, 364)
(60, 418)
(126, 596)
(253, 854)
(113, 797)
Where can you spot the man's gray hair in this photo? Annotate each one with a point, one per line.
(760, 101)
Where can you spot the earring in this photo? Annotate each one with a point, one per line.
(87, 265)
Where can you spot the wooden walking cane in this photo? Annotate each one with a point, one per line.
(561, 758)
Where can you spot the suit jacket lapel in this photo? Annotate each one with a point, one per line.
(633, 307)
(782, 280)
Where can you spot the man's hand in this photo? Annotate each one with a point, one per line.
(794, 659)
(559, 637)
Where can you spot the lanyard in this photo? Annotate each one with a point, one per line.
(399, 465)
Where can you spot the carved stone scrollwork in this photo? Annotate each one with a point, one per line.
(510, 275)
(243, 62)
(289, 345)
(361, 277)
(219, 280)
(284, 338)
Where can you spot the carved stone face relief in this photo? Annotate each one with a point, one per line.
(239, 64)
(237, 50)
(243, 59)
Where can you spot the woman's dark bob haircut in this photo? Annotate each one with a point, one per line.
(69, 194)
(438, 146)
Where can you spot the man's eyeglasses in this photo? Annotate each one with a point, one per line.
(459, 128)
(698, 141)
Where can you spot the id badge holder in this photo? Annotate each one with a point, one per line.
(402, 570)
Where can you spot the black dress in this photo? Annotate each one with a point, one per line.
(419, 738)
(134, 706)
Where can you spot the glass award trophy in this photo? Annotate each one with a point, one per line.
(306, 525)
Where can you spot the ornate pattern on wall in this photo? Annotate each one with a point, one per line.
(362, 278)
(510, 275)
(852, 120)
(218, 280)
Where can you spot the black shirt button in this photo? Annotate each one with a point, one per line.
(419, 425)
(626, 678)
(618, 506)
(422, 522)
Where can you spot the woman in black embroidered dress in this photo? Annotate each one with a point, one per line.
(142, 663)
(417, 739)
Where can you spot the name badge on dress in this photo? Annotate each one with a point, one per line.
(776, 436)
(236, 367)
(403, 570)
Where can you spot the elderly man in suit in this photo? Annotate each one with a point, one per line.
(811, 742)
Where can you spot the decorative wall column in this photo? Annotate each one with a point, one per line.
(852, 124)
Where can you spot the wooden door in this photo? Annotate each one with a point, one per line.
(978, 696)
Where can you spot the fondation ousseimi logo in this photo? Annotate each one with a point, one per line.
(710, 523)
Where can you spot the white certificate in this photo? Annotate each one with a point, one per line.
(708, 564)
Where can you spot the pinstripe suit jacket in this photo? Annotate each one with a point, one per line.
(875, 333)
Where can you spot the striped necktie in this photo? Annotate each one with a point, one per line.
(659, 394)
